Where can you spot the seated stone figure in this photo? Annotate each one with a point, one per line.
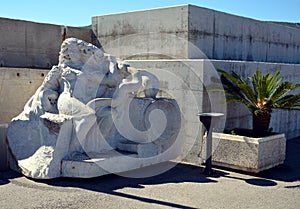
(86, 108)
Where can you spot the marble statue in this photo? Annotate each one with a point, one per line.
(87, 109)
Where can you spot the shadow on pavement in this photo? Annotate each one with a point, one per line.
(109, 184)
(290, 170)
(6, 176)
(287, 172)
(261, 182)
(178, 174)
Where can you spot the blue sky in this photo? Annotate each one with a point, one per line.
(79, 12)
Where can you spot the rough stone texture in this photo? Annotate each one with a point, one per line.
(34, 45)
(84, 108)
(3, 148)
(193, 32)
(246, 153)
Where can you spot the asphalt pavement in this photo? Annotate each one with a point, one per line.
(183, 186)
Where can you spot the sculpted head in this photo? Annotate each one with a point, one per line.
(76, 53)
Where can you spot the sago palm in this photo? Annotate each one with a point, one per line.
(260, 94)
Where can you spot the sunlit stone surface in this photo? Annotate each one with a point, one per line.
(86, 120)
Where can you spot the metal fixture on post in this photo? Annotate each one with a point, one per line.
(209, 120)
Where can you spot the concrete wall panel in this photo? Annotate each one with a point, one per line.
(147, 34)
(205, 33)
(17, 85)
(34, 45)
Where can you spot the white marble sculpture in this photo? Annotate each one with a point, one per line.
(87, 109)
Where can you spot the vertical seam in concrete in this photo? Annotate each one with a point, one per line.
(214, 37)
(188, 31)
(268, 46)
(26, 44)
(64, 33)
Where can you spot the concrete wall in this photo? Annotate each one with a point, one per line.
(229, 37)
(193, 98)
(166, 34)
(182, 80)
(34, 45)
(193, 32)
(144, 34)
(203, 72)
(282, 121)
(17, 85)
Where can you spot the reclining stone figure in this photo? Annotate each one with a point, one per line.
(86, 108)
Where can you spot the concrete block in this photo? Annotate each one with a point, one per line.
(246, 153)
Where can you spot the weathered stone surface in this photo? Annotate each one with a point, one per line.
(34, 45)
(247, 153)
(86, 105)
(102, 163)
(18, 85)
(192, 32)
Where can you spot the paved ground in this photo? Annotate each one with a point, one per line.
(181, 187)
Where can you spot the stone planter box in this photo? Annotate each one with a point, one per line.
(247, 153)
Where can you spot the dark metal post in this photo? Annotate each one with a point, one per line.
(208, 120)
(3, 147)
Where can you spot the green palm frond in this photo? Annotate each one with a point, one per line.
(289, 102)
(273, 82)
(264, 91)
(280, 92)
(236, 87)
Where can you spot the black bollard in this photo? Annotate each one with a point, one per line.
(209, 120)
